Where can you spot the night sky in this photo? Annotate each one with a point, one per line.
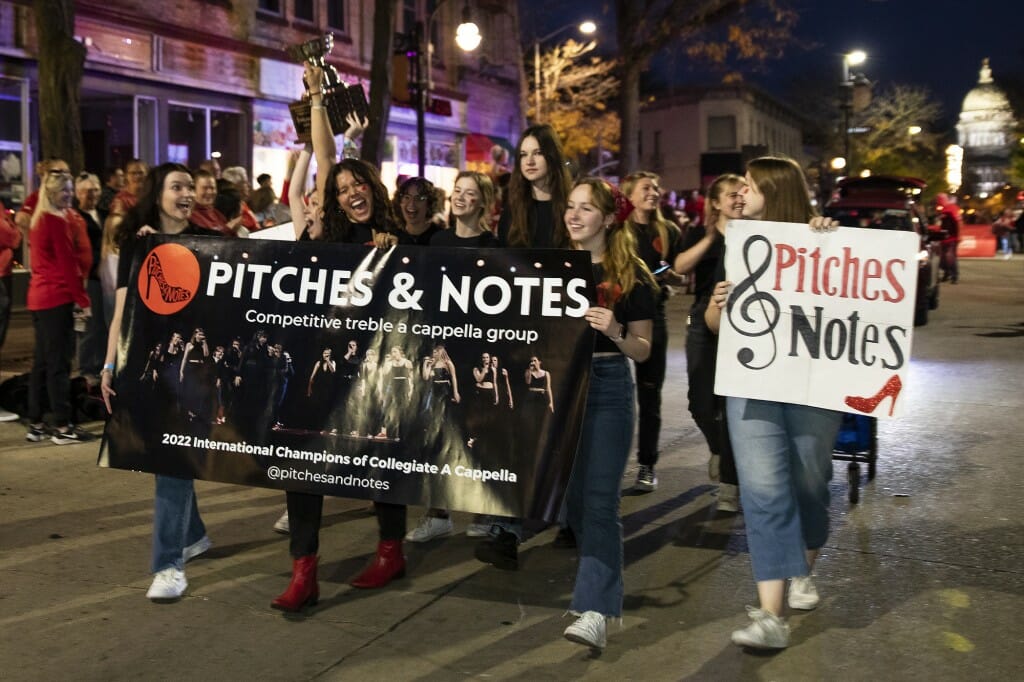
(938, 44)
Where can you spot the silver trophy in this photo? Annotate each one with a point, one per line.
(339, 99)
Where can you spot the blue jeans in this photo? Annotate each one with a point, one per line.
(176, 522)
(784, 460)
(592, 497)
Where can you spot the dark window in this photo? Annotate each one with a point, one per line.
(721, 132)
(304, 10)
(409, 15)
(336, 14)
(269, 6)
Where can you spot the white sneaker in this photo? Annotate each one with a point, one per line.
(6, 416)
(430, 527)
(281, 525)
(197, 548)
(478, 530)
(590, 629)
(168, 585)
(768, 631)
(728, 498)
(803, 594)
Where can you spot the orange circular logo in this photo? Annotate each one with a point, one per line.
(169, 278)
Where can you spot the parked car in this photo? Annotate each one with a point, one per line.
(887, 202)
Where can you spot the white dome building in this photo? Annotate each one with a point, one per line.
(985, 132)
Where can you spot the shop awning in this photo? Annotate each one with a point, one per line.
(478, 146)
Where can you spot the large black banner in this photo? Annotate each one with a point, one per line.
(454, 378)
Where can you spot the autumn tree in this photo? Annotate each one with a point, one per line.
(575, 90)
(896, 135)
(713, 30)
(61, 64)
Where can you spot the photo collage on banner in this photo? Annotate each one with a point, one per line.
(454, 378)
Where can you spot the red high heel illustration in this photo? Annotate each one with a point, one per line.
(168, 292)
(891, 389)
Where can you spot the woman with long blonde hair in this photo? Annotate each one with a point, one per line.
(622, 318)
(61, 256)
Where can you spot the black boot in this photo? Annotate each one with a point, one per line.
(501, 550)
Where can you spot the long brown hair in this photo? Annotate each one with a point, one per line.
(667, 231)
(623, 268)
(711, 214)
(337, 226)
(520, 194)
(782, 182)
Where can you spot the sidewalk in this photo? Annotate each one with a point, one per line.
(921, 580)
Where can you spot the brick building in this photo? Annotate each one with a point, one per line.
(184, 80)
(693, 134)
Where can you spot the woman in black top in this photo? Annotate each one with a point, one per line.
(532, 216)
(164, 207)
(472, 200)
(532, 211)
(658, 243)
(415, 204)
(622, 318)
(724, 203)
(356, 210)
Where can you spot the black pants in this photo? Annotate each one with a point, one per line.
(650, 377)
(707, 409)
(51, 364)
(5, 306)
(305, 512)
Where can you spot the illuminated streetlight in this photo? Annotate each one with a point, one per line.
(866, 173)
(914, 130)
(854, 58)
(467, 35)
(838, 163)
(586, 28)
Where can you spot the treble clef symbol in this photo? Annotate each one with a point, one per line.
(748, 322)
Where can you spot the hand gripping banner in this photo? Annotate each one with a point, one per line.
(454, 378)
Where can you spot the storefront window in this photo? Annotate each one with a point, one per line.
(187, 135)
(226, 137)
(15, 172)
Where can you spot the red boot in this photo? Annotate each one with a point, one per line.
(303, 589)
(385, 567)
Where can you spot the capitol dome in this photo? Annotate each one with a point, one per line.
(986, 96)
(985, 131)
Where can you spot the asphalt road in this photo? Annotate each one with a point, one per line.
(922, 579)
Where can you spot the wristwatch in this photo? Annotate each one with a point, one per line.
(622, 332)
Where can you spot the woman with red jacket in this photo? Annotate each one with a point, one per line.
(61, 257)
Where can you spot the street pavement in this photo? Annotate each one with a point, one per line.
(922, 579)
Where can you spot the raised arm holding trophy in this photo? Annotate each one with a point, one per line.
(340, 99)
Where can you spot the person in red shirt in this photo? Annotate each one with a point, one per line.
(237, 176)
(204, 213)
(28, 207)
(61, 256)
(10, 239)
(135, 172)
